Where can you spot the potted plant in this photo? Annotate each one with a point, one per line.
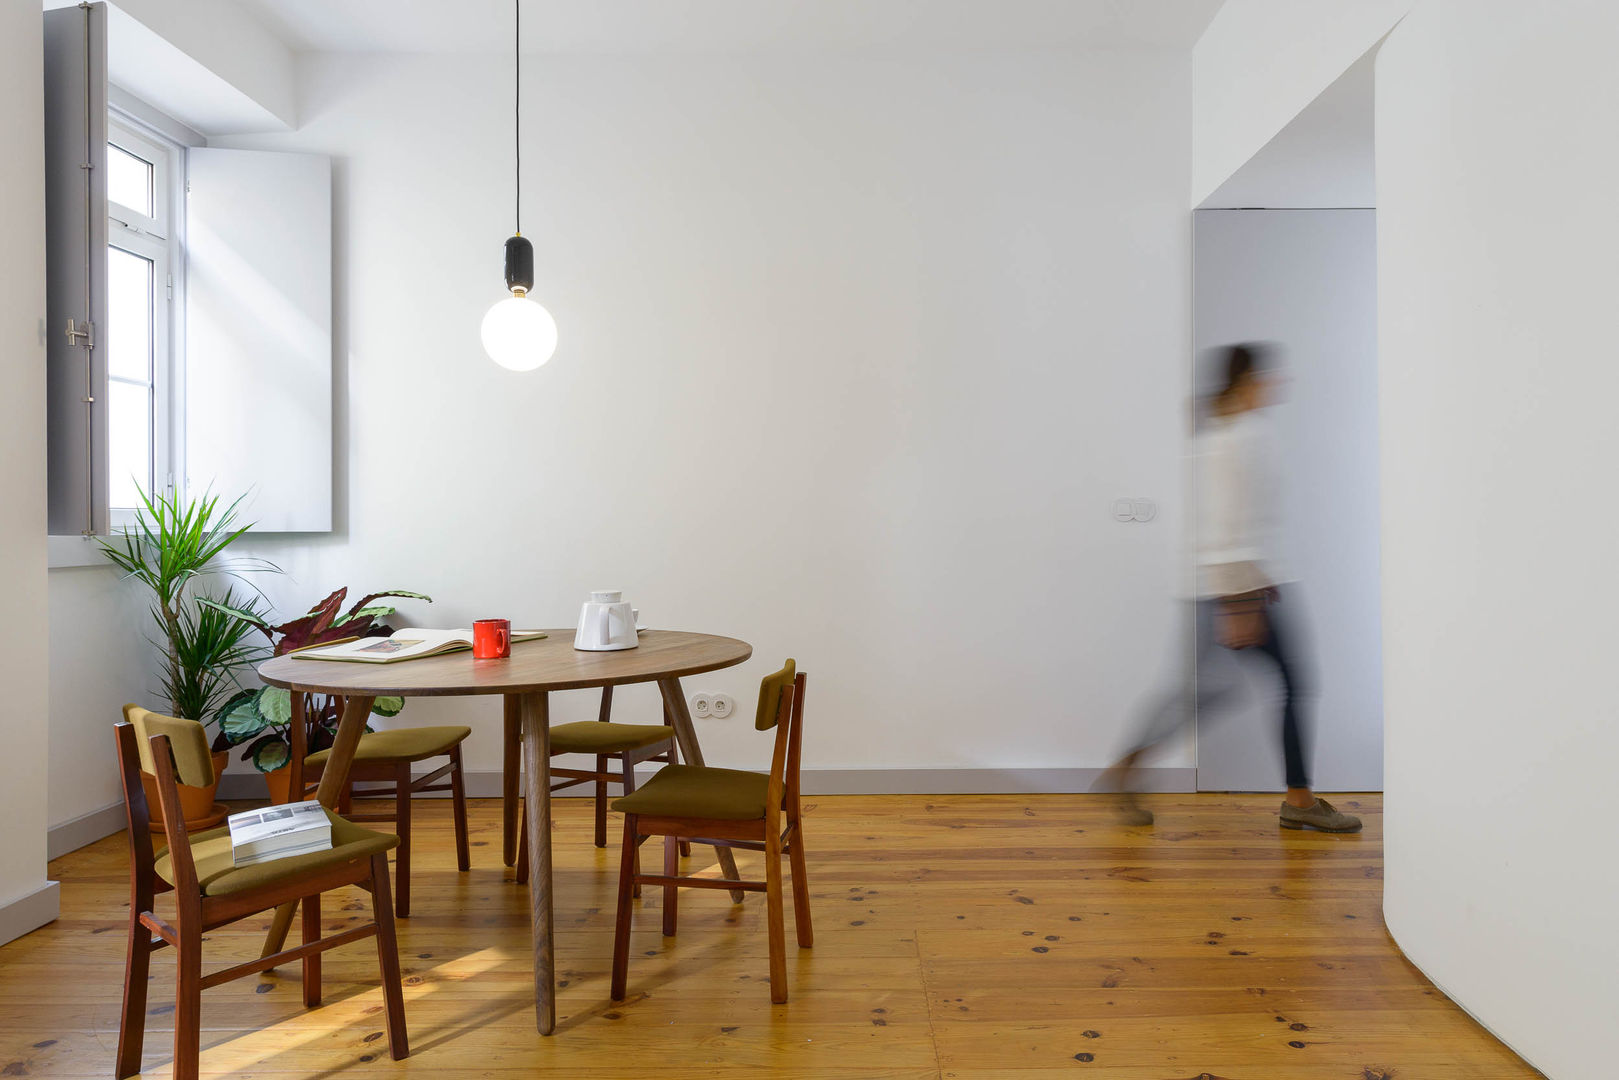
(173, 548)
(262, 718)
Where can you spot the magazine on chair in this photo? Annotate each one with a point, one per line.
(276, 832)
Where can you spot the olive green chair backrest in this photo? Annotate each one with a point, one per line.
(770, 688)
(188, 742)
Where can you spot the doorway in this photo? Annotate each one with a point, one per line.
(1286, 252)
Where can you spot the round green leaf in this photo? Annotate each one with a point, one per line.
(275, 704)
(240, 719)
(271, 755)
(387, 706)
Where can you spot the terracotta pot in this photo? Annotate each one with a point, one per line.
(279, 783)
(197, 805)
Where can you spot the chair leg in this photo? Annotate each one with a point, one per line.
(132, 1022)
(627, 782)
(775, 923)
(673, 753)
(458, 807)
(801, 908)
(511, 766)
(621, 921)
(671, 893)
(187, 1005)
(601, 799)
(393, 992)
(402, 828)
(311, 933)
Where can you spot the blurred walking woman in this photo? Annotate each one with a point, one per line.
(1242, 589)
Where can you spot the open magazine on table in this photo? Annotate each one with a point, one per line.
(410, 643)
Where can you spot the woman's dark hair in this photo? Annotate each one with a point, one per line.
(1237, 362)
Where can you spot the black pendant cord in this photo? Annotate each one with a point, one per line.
(519, 252)
(517, 104)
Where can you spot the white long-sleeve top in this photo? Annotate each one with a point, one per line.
(1238, 493)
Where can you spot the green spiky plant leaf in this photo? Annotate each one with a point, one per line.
(173, 548)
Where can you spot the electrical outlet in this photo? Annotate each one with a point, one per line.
(722, 706)
(702, 705)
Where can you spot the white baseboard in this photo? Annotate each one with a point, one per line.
(85, 829)
(30, 912)
(486, 784)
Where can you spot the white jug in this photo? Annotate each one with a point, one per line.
(606, 623)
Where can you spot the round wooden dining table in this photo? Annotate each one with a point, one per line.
(526, 678)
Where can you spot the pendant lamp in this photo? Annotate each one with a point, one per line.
(518, 333)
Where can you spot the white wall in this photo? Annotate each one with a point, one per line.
(212, 66)
(1262, 61)
(1306, 279)
(1497, 229)
(856, 352)
(25, 899)
(1323, 158)
(100, 658)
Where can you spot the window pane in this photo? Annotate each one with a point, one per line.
(129, 439)
(129, 315)
(129, 180)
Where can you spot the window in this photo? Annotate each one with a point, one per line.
(183, 284)
(144, 198)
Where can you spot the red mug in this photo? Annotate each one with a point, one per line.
(492, 639)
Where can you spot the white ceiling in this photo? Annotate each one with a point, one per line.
(697, 26)
(1323, 158)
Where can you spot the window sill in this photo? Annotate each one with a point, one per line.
(64, 552)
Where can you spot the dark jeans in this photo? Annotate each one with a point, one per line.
(1199, 695)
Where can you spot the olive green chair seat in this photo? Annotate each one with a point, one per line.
(401, 744)
(697, 791)
(219, 876)
(597, 737)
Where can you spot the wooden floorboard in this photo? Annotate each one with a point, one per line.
(957, 938)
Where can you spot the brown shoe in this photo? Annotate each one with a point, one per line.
(1323, 815)
(1131, 812)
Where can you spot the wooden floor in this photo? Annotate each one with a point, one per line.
(1005, 937)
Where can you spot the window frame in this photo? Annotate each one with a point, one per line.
(156, 237)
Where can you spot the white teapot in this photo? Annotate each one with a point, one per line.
(606, 623)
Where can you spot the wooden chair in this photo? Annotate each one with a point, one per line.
(210, 892)
(387, 756)
(626, 744)
(726, 808)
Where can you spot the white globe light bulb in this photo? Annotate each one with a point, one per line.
(519, 334)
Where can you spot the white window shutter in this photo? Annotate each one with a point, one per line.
(258, 353)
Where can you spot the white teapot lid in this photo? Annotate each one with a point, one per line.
(607, 596)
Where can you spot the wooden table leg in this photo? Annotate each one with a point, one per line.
(350, 726)
(536, 716)
(510, 776)
(674, 700)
